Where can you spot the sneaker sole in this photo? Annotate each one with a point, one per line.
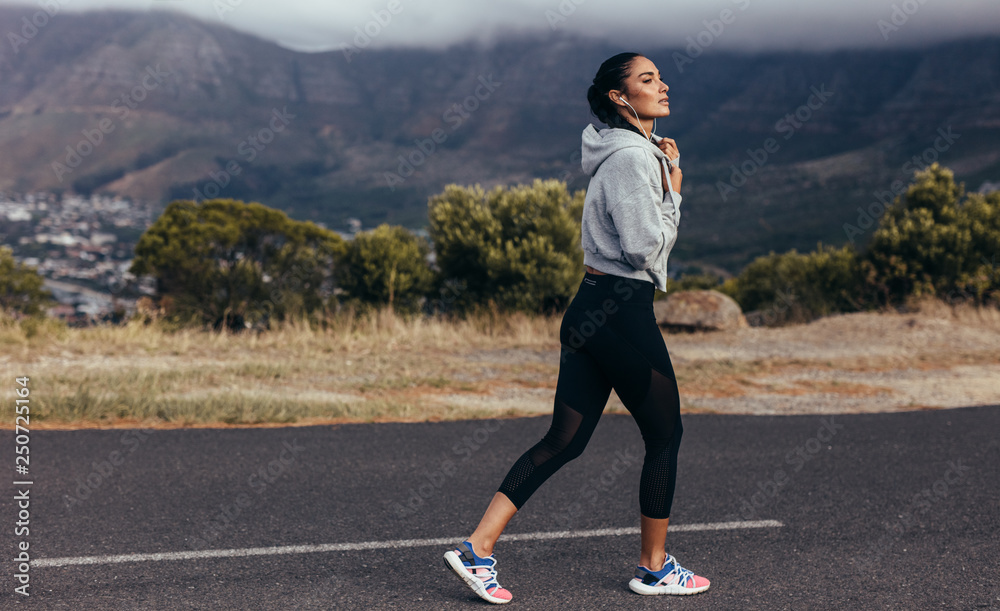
(452, 560)
(640, 588)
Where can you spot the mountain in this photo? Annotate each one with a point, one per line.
(778, 149)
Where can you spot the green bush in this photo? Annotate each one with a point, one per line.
(936, 241)
(386, 266)
(514, 248)
(792, 287)
(231, 264)
(21, 291)
(693, 282)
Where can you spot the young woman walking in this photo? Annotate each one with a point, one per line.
(609, 337)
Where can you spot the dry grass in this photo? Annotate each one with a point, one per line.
(383, 366)
(364, 368)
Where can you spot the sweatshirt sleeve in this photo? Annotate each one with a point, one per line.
(645, 218)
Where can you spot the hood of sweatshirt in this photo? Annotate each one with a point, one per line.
(598, 145)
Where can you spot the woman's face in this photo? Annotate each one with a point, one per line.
(644, 90)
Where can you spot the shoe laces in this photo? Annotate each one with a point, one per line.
(682, 574)
(489, 578)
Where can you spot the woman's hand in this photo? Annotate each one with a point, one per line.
(669, 148)
(675, 177)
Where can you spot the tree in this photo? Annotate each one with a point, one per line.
(935, 240)
(386, 266)
(21, 291)
(517, 247)
(228, 263)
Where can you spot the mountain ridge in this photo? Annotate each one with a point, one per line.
(356, 124)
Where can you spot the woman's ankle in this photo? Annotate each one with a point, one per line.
(480, 548)
(653, 563)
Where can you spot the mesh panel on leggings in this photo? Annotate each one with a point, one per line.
(565, 424)
(518, 474)
(545, 457)
(659, 468)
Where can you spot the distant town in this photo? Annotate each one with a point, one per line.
(83, 247)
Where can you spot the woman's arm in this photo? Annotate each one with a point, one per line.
(646, 224)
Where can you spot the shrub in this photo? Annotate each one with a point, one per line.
(512, 249)
(693, 282)
(230, 264)
(21, 291)
(932, 243)
(793, 287)
(386, 266)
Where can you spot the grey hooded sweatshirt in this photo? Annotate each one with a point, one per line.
(629, 223)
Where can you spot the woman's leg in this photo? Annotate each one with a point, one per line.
(581, 394)
(633, 355)
(654, 540)
(582, 391)
(497, 515)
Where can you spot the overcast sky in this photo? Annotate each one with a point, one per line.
(313, 25)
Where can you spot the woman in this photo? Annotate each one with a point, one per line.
(609, 337)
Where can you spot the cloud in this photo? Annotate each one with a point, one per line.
(753, 24)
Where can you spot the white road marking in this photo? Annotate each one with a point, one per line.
(369, 545)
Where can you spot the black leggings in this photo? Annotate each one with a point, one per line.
(609, 340)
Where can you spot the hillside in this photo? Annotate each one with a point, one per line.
(337, 132)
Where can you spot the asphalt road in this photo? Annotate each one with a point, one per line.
(881, 511)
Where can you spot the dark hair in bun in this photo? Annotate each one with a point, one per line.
(611, 75)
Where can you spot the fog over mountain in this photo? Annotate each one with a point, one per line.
(756, 24)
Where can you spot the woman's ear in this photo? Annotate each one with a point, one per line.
(616, 97)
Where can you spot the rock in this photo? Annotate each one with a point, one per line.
(699, 311)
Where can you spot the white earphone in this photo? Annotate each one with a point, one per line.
(622, 98)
